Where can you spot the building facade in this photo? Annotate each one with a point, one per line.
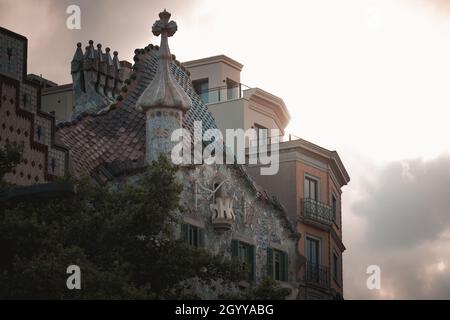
(233, 104)
(225, 211)
(116, 118)
(310, 178)
(22, 120)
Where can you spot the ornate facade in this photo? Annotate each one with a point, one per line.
(122, 120)
(21, 119)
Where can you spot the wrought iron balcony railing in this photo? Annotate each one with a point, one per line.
(316, 210)
(317, 274)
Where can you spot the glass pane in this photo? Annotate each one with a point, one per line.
(277, 265)
(306, 193)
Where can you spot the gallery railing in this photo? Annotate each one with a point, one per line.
(316, 210)
(316, 273)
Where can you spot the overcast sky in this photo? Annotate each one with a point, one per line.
(368, 78)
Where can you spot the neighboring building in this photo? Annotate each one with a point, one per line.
(309, 180)
(234, 105)
(309, 184)
(58, 101)
(22, 120)
(224, 210)
(116, 118)
(40, 81)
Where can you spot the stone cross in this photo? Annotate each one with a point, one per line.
(163, 26)
(164, 91)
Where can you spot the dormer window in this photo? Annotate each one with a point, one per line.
(26, 101)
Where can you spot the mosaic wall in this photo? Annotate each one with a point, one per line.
(11, 56)
(257, 222)
(21, 120)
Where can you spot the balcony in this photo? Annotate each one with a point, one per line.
(223, 93)
(317, 211)
(317, 274)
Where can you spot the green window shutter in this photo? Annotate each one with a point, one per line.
(184, 232)
(201, 237)
(269, 262)
(252, 261)
(285, 267)
(234, 248)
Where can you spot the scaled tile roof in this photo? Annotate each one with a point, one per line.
(112, 141)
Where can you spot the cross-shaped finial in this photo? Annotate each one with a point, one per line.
(163, 26)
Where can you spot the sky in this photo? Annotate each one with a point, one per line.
(368, 78)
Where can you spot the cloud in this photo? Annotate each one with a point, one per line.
(403, 217)
(121, 25)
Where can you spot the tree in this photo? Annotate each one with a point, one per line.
(121, 238)
(10, 156)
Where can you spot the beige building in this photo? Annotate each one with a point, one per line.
(234, 105)
(308, 183)
(58, 101)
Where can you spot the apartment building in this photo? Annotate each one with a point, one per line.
(310, 178)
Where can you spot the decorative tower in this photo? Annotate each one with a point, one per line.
(164, 101)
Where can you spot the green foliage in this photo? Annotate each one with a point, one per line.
(268, 289)
(120, 237)
(10, 156)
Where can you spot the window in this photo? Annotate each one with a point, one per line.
(336, 267)
(311, 189)
(26, 101)
(334, 207)
(193, 235)
(313, 251)
(40, 133)
(277, 264)
(232, 89)
(53, 164)
(245, 254)
(9, 53)
(261, 134)
(201, 87)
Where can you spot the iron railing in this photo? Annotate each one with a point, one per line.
(272, 139)
(223, 93)
(316, 210)
(316, 273)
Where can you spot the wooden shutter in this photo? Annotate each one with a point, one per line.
(184, 232)
(269, 262)
(201, 237)
(234, 248)
(252, 261)
(285, 267)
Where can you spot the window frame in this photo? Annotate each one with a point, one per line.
(311, 178)
(283, 257)
(336, 268)
(258, 127)
(319, 249)
(236, 252)
(187, 234)
(334, 206)
(204, 95)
